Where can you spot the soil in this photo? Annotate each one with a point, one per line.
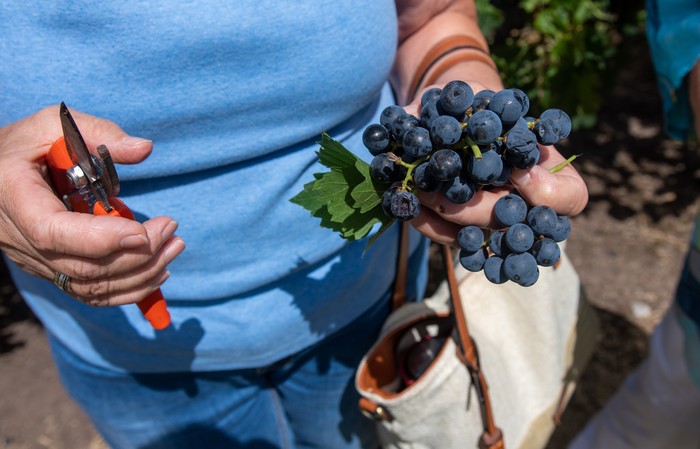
(628, 247)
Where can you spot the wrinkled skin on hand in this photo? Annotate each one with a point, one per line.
(111, 260)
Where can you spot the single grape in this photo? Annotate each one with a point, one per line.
(429, 95)
(528, 160)
(445, 130)
(389, 116)
(562, 230)
(542, 219)
(470, 238)
(486, 169)
(504, 177)
(508, 106)
(493, 270)
(482, 99)
(523, 99)
(425, 181)
(484, 127)
(459, 190)
(386, 199)
(520, 141)
(445, 165)
(519, 238)
(496, 242)
(510, 209)
(561, 121)
(456, 97)
(405, 206)
(376, 138)
(416, 142)
(522, 123)
(428, 113)
(472, 261)
(384, 170)
(546, 252)
(402, 124)
(521, 268)
(545, 132)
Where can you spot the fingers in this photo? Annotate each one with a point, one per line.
(564, 191)
(132, 286)
(160, 230)
(46, 128)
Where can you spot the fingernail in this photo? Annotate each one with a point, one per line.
(162, 278)
(133, 241)
(133, 141)
(173, 250)
(169, 230)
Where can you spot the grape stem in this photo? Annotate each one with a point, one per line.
(475, 148)
(409, 169)
(560, 166)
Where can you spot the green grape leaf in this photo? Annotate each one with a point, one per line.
(345, 198)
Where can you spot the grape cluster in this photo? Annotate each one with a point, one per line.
(461, 143)
(528, 238)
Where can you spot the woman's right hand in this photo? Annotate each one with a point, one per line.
(110, 260)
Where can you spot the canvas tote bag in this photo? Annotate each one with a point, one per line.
(425, 379)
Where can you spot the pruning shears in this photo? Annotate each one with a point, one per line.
(88, 183)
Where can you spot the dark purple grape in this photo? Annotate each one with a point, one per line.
(562, 230)
(405, 206)
(496, 242)
(390, 114)
(561, 121)
(508, 106)
(402, 124)
(459, 190)
(384, 170)
(486, 169)
(542, 219)
(445, 130)
(470, 238)
(523, 99)
(376, 138)
(445, 165)
(493, 270)
(504, 177)
(472, 261)
(428, 113)
(482, 100)
(519, 238)
(429, 95)
(520, 141)
(386, 200)
(510, 209)
(416, 142)
(484, 127)
(424, 180)
(455, 98)
(528, 160)
(545, 132)
(521, 268)
(546, 252)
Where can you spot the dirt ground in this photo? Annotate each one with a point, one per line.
(628, 247)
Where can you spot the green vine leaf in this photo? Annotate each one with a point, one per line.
(344, 198)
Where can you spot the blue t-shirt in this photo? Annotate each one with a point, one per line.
(235, 97)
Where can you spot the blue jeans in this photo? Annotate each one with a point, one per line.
(305, 401)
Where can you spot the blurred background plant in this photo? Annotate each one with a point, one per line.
(561, 52)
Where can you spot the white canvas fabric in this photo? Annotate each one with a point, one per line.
(531, 340)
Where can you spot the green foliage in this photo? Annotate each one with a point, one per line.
(558, 51)
(344, 198)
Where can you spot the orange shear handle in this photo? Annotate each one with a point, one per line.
(153, 307)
